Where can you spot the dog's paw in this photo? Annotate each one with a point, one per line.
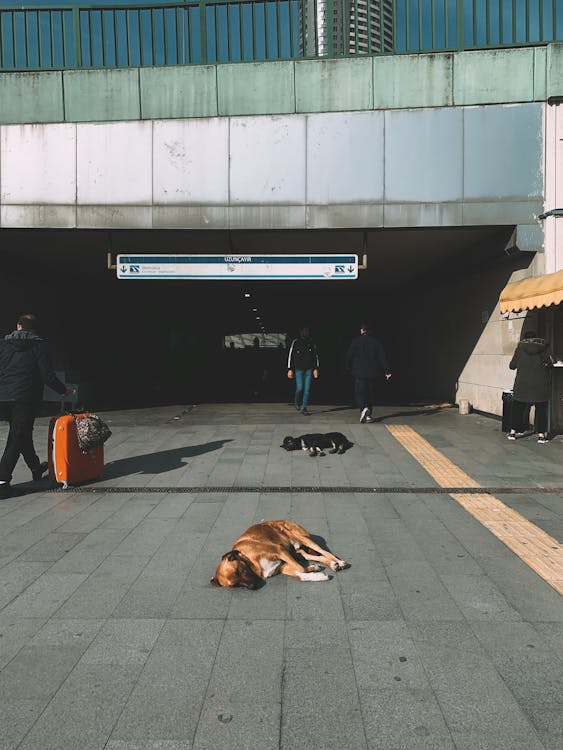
(314, 568)
(339, 565)
(314, 576)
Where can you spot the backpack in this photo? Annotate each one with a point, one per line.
(91, 431)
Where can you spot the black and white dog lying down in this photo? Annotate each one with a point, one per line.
(314, 443)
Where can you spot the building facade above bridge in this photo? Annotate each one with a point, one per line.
(447, 139)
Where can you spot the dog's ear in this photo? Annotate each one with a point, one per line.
(231, 556)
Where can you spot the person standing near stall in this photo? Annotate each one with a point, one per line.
(532, 384)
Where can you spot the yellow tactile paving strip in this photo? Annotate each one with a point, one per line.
(538, 550)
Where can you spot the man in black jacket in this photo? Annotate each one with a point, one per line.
(366, 360)
(303, 363)
(25, 366)
(532, 385)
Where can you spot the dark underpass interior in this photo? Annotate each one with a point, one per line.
(426, 293)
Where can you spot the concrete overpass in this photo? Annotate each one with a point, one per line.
(435, 165)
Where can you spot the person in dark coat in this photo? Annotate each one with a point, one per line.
(366, 361)
(303, 364)
(532, 385)
(25, 366)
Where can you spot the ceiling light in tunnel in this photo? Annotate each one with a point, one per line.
(246, 294)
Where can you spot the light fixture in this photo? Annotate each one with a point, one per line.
(553, 212)
(246, 294)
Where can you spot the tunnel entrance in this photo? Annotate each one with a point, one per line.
(426, 293)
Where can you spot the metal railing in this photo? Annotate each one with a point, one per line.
(81, 35)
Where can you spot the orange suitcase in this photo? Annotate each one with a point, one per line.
(67, 463)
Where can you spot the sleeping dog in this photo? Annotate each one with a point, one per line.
(314, 443)
(270, 547)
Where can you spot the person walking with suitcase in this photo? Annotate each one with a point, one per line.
(366, 360)
(25, 367)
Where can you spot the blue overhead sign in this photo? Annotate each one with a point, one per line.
(238, 267)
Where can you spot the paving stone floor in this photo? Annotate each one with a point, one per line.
(436, 637)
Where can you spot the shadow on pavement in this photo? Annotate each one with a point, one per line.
(411, 413)
(159, 462)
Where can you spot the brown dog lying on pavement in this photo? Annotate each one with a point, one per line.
(268, 548)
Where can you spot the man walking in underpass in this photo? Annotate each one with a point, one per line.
(25, 366)
(303, 364)
(366, 360)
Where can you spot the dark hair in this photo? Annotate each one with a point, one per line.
(530, 334)
(28, 322)
(365, 327)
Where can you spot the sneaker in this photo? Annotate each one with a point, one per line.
(38, 473)
(364, 415)
(305, 412)
(511, 436)
(542, 440)
(5, 490)
(297, 406)
(368, 419)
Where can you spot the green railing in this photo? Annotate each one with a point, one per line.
(82, 35)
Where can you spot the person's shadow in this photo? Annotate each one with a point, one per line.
(158, 462)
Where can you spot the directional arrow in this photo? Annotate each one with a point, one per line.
(123, 269)
(351, 269)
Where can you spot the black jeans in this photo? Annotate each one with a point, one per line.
(519, 416)
(20, 439)
(365, 392)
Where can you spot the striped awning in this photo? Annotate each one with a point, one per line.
(540, 291)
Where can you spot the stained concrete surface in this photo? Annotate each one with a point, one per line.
(437, 636)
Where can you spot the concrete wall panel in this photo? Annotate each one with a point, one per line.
(339, 216)
(423, 214)
(101, 95)
(540, 74)
(405, 81)
(114, 164)
(38, 217)
(333, 85)
(114, 217)
(180, 91)
(345, 157)
(490, 76)
(267, 160)
(31, 97)
(267, 217)
(498, 211)
(38, 164)
(190, 217)
(423, 156)
(554, 70)
(502, 152)
(255, 88)
(191, 161)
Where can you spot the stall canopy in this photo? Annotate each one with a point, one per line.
(540, 291)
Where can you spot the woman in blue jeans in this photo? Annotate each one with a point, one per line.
(303, 364)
